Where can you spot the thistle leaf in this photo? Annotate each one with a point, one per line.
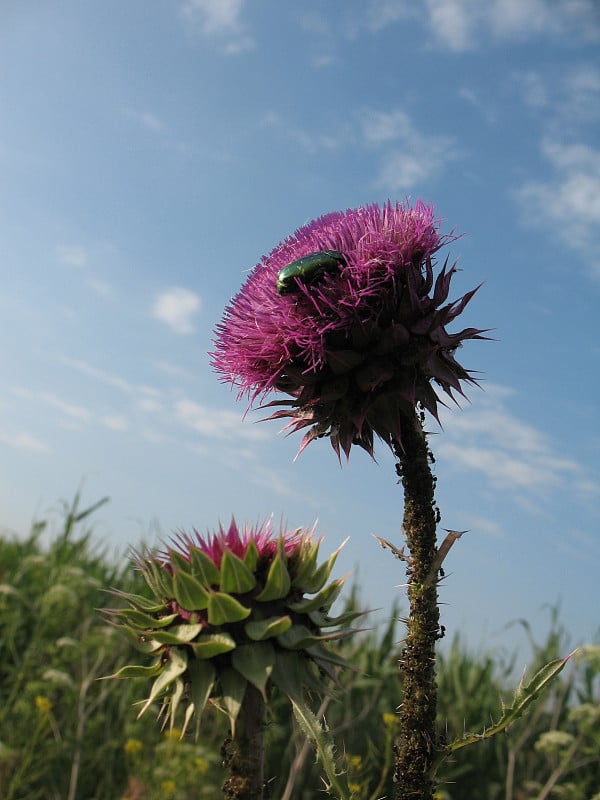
(251, 556)
(138, 601)
(235, 575)
(204, 568)
(258, 630)
(291, 674)
(224, 609)
(321, 601)
(233, 688)
(278, 580)
(320, 577)
(134, 671)
(189, 593)
(307, 565)
(255, 662)
(178, 634)
(145, 621)
(173, 668)
(297, 638)
(212, 644)
(524, 696)
(202, 678)
(323, 744)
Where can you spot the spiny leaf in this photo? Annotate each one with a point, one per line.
(189, 593)
(251, 556)
(204, 568)
(321, 601)
(324, 621)
(258, 630)
(278, 580)
(292, 673)
(138, 601)
(255, 662)
(173, 668)
(233, 688)
(524, 696)
(178, 634)
(224, 609)
(307, 564)
(212, 644)
(320, 577)
(134, 671)
(145, 621)
(202, 678)
(323, 744)
(235, 575)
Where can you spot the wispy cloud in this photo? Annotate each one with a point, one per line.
(146, 119)
(568, 204)
(24, 441)
(410, 156)
(381, 13)
(73, 255)
(115, 422)
(219, 19)
(98, 374)
(310, 140)
(177, 307)
(214, 423)
(511, 454)
(461, 25)
(75, 413)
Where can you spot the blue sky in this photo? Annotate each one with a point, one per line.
(151, 153)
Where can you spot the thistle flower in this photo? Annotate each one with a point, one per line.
(356, 342)
(228, 610)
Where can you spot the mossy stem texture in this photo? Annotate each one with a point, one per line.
(417, 742)
(244, 753)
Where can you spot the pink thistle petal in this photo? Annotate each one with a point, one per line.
(356, 347)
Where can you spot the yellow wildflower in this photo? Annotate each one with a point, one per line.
(132, 746)
(168, 787)
(43, 705)
(201, 765)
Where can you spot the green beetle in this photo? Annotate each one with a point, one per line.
(308, 269)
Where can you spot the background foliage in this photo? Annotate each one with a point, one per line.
(66, 735)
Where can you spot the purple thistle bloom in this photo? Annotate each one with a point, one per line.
(358, 347)
(236, 540)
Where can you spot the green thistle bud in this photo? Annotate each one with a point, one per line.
(231, 610)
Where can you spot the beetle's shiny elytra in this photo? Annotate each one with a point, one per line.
(308, 269)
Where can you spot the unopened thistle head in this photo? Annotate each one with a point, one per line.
(228, 610)
(345, 317)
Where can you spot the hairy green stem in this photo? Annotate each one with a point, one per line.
(417, 743)
(243, 754)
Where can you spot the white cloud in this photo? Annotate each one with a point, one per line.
(24, 441)
(453, 22)
(115, 422)
(74, 413)
(512, 454)
(98, 374)
(410, 156)
(176, 307)
(569, 203)
(221, 19)
(215, 423)
(100, 287)
(146, 119)
(381, 13)
(71, 254)
(312, 141)
(461, 25)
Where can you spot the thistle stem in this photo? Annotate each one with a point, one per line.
(244, 752)
(417, 742)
